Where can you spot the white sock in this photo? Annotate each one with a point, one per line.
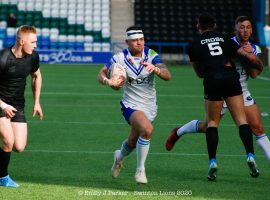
(190, 127)
(142, 152)
(264, 144)
(125, 151)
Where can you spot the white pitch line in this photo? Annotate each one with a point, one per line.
(263, 78)
(110, 94)
(112, 123)
(119, 95)
(157, 153)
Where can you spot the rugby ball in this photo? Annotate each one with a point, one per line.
(118, 71)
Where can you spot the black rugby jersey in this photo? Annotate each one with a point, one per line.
(212, 51)
(13, 74)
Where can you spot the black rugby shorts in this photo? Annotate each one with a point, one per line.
(19, 115)
(220, 89)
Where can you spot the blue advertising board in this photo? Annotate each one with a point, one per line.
(73, 57)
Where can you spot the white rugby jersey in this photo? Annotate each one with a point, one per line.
(139, 88)
(239, 66)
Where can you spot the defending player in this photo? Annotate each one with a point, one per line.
(210, 56)
(243, 30)
(138, 104)
(16, 63)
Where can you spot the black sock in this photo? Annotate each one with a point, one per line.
(4, 161)
(246, 137)
(212, 141)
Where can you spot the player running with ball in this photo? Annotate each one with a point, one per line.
(138, 104)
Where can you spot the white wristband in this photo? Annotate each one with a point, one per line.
(105, 81)
(3, 105)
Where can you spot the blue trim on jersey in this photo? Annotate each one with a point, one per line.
(235, 39)
(131, 66)
(146, 50)
(140, 69)
(156, 60)
(112, 60)
(125, 51)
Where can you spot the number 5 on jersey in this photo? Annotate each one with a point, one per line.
(214, 48)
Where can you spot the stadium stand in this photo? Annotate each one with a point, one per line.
(96, 25)
(174, 21)
(62, 24)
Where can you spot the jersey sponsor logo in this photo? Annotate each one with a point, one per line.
(140, 80)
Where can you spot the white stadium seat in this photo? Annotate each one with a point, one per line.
(71, 38)
(38, 6)
(3, 24)
(14, 1)
(46, 13)
(88, 46)
(96, 47)
(54, 31)
(21, 6)
(88, 26)
(106, 47)
(71, 19)
(79, 38)
(54, 38)
(80, 20)
(88, 39)
(45, 32)
(63, 13)
(11, 31)
(55, 13)
(62, 38)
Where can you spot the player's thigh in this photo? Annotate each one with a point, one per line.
(236, 107)
(140, 123)
(254, 118)
(6, 134)
(213, 109)
(20, 135)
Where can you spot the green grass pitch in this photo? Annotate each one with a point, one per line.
(70, 153)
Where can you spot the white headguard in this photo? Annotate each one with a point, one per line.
(134, 34)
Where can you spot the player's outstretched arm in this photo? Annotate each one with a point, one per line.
(36, 88)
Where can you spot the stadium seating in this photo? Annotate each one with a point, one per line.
(76, 22)
(174, 21)
(86, 24)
